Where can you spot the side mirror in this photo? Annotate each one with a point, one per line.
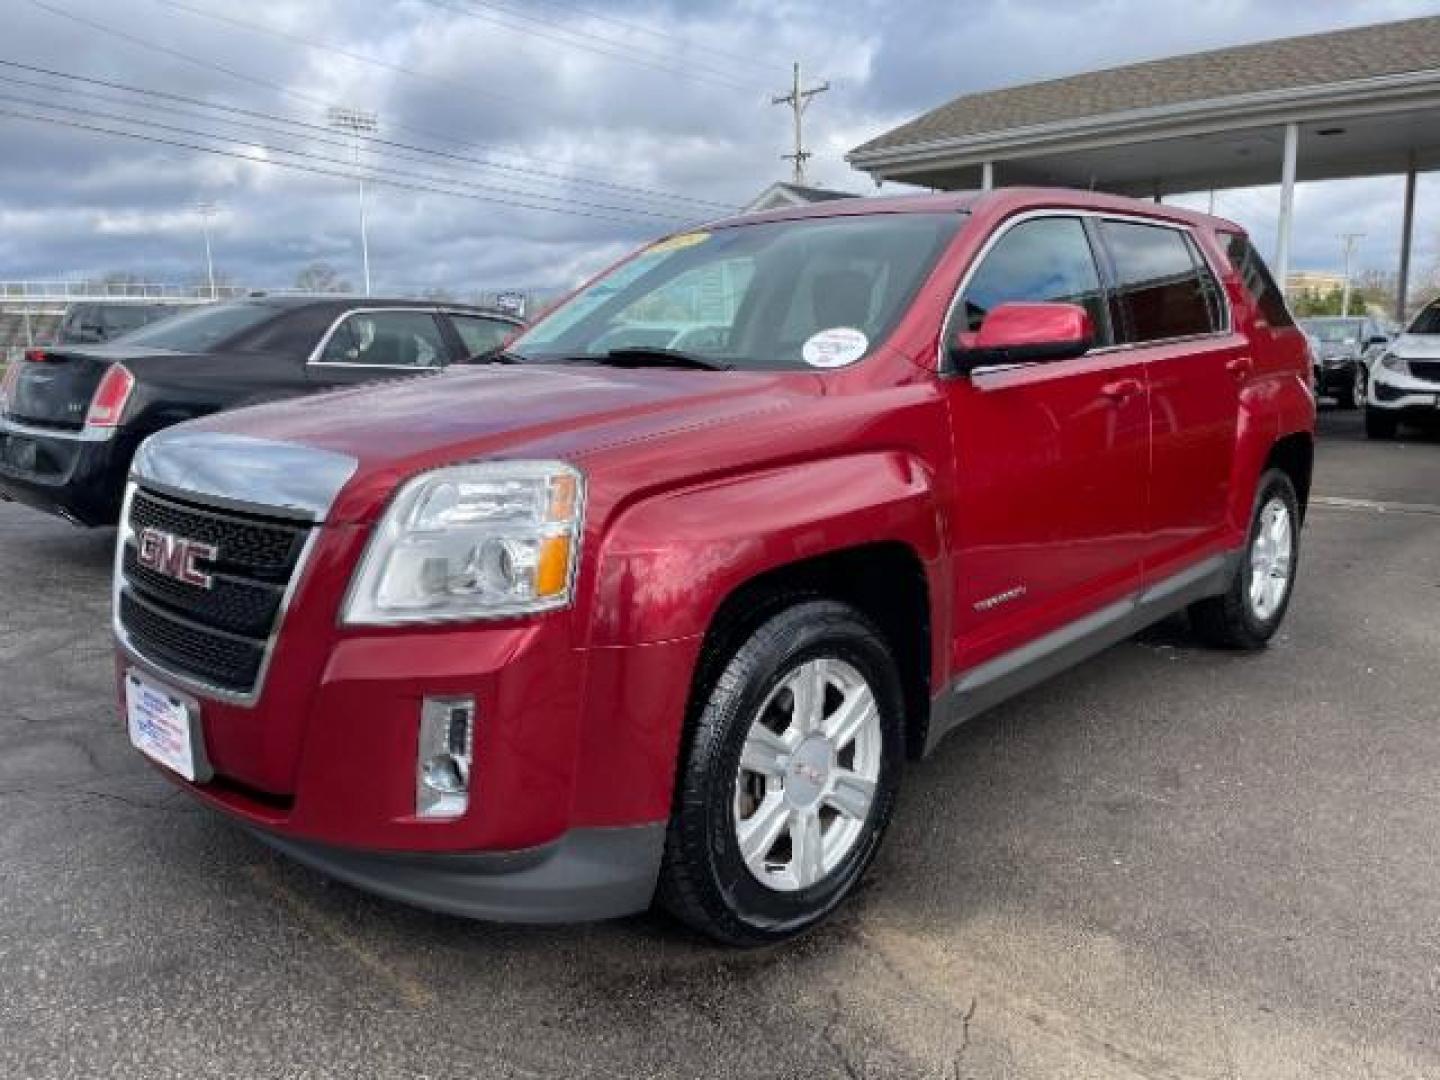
(1024, 333)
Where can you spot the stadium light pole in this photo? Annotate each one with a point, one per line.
(206, 210)
(356, 123)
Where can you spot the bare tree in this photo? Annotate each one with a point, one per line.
(321, 277)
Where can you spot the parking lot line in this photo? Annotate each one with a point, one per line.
(1334, 502)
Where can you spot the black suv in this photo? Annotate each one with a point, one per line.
(71, 417)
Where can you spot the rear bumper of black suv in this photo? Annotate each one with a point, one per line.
(71, 474)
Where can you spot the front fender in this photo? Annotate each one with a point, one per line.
(669, 560)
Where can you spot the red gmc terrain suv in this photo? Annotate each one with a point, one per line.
(654, 604)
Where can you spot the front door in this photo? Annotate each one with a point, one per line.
(1051, 459)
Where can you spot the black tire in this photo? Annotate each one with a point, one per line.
(1345, 396)
(704, 881)
(1380, 424)
(1229, 621)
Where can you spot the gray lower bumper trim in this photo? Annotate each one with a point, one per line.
(586, 874)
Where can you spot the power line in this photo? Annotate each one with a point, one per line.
(254, 80)
(363, 172)
(363, 58)
(601, 46)
(401, 69)
(646, 194)
(655, 32)
(297, 166)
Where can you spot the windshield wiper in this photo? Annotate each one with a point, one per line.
(495, 356)
(656, 356)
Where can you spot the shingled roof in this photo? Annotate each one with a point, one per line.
(1314, 60)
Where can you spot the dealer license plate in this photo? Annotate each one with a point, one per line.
(162, 726)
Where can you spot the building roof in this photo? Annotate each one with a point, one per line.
(1366, 52)
(787, 194)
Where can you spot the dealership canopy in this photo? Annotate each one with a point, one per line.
(1361, 102)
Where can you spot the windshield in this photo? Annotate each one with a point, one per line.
(1334, 331)
(810, 293)
(202, 329)
(1428, 321)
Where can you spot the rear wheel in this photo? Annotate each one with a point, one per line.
(1249, 612)
(790, 778)
(1380, 424)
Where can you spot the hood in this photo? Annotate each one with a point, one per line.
(1416, 346)
(392, 430)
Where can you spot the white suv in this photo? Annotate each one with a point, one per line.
(1402, 382)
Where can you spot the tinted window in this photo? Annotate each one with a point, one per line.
(387, 339)
(752, 296)
(121, 319)
(1258, 282)
(1427, 322)
(1160, 291)
(1335, 331)
(481, 335)
(202, 329)
(1045, 259)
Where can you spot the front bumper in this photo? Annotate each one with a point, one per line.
(1403, 393)
(585, 874)
(79, 479)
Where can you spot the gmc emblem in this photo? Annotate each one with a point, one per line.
(176, 557)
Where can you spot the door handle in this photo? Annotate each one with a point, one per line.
(1121, 389)
(1240, 366)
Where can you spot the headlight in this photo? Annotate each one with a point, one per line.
(1390, 362)
(474, 541)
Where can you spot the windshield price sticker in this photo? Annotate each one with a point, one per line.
(678, 243)
(834, 348)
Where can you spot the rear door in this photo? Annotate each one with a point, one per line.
(1051, 459)
(371, 344)
(1171, 312)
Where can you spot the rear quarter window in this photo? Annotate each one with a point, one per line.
(1258, 282)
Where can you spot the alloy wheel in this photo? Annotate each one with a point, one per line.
(1272, 555)
(808, 774)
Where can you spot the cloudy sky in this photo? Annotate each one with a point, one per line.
(529, 141)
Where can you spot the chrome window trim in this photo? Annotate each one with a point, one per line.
(245, 699)
(1101, 215)
(313, 360)
(85, 434)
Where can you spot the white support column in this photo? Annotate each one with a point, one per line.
(1407, 235)
(1287, 204)
(987, 175)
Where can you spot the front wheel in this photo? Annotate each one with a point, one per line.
(790, 778)
(1249, 612)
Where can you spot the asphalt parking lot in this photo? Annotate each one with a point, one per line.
(1169, 863)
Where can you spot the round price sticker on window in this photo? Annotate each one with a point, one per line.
(837, 347)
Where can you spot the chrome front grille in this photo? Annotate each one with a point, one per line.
(215, 637)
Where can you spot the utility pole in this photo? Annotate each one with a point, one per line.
(1351, 240)
(206, 210)
(799, 100)
(357, 123)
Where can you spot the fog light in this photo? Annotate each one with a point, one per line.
(443, 757)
